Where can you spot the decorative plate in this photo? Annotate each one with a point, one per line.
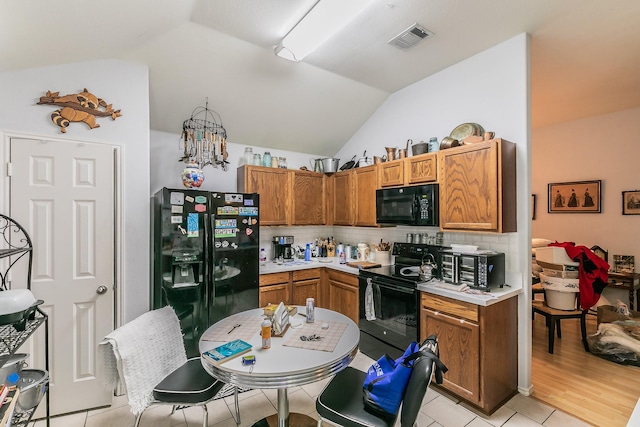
(462, 131)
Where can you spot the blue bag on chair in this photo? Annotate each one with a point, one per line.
(387, 380)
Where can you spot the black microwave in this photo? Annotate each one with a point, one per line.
(417, 205)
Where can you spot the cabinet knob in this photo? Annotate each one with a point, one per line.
(101, 289)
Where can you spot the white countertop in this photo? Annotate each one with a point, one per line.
(333, 262)
(476, 297)
(488, 298)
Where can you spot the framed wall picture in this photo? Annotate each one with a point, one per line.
(575, 197)
(631, 202)
(533, 206)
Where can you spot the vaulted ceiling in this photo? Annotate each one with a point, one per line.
(584, 57)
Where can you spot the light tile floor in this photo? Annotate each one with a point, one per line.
(437, 411)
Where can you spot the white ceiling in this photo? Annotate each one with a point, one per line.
(585, 57)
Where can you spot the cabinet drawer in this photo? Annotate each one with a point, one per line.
(450, 306)
(312, 273)
(345, 278)
(274, 278)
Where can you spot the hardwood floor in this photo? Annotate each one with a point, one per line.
(597, 391)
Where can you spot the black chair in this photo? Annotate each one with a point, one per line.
(147, 356)
(341, 401)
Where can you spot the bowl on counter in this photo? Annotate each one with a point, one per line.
(11, 367)
(32, 384)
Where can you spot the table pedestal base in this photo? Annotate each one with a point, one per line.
(295, 420)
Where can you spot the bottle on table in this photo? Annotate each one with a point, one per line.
(266, 334)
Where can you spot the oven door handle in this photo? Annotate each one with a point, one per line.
(396, 288)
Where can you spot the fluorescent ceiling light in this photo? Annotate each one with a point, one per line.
(325, 19)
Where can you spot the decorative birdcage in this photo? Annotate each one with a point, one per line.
(204, 139)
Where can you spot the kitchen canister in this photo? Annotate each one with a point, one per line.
(248, 156)
(266, 159)
(409, 238)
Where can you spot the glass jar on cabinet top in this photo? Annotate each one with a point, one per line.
(282, 163)
(266, 159)
(248, 156)
(257, 159)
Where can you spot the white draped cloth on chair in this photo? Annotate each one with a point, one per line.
(141, 353)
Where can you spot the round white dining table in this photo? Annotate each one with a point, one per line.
(281, 366)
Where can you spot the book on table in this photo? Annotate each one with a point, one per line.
(227, 351)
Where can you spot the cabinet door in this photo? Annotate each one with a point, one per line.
(478, 187)
(304, 289)
(391, 174)
(365, 194)
(469, 194)
(273, 186)
(275, 294)
(420, 169)
(343, 205)
(307, 201)
(458, 342)
(343, 294)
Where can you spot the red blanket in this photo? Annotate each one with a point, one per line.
(593, 272)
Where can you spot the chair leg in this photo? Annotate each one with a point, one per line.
(235, 401)
(552, 333)
(205, 416)
(173, 410)
(319, 421)
(138, 418)
(558, 328)
(583, 330)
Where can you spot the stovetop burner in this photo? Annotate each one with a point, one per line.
(408, 259)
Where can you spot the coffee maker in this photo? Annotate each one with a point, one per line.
(282, 248)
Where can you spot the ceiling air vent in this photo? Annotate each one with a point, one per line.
(410, 37)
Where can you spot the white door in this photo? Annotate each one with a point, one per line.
(62, 193)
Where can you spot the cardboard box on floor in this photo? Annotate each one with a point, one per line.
(608, 314)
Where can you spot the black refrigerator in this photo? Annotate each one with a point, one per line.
(205, 249)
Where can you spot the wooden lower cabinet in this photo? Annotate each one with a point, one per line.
(332, 289)
(275, 288)
(306, 284)
(290, 287)
(342, 293)
(479, 346)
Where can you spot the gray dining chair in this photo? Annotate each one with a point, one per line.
(147, 355)
(341, 401)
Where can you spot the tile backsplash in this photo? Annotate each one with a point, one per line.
(506, 243)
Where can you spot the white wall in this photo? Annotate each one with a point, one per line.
(124, 85)
(166, 170)
(603, 147)
(492, 89)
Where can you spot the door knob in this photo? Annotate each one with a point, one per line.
(101, 290)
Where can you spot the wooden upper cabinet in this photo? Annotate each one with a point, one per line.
(421, 169)
(343, 197)
(365, 185)
(478, 187)
(273, 185)
(308, 202)
(391, 174)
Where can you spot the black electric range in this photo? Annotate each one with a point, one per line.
(389, 310)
